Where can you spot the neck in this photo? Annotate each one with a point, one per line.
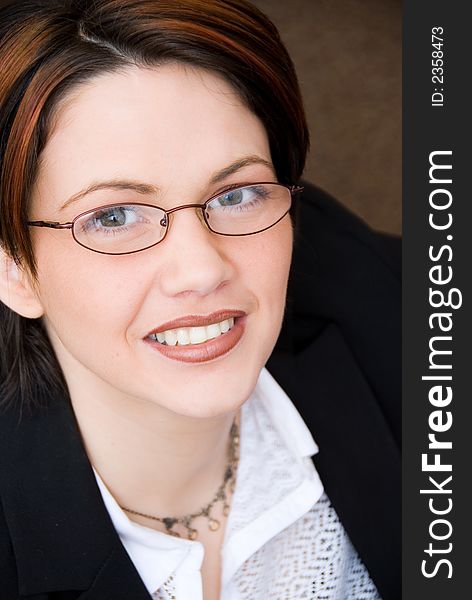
(151, 459)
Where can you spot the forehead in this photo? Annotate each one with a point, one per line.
(159, 125)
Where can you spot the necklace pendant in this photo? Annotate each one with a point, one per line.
(226, 510)
(169, 522)
(213, 525)
(192, 534)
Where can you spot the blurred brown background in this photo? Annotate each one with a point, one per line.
(348, 59)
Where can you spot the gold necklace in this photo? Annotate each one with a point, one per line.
(229, 480)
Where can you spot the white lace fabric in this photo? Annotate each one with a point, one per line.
(313, 559)
(283, 539)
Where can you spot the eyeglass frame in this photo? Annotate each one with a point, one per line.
(293, 189)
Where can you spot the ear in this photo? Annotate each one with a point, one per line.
(16, 288)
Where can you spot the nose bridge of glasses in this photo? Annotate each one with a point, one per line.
(199, 209)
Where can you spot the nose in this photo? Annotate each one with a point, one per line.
(192, 259)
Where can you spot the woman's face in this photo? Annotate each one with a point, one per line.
(172, 128)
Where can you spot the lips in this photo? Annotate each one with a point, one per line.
(206, 351)
(198, 320)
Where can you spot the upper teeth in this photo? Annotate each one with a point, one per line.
(192, 335)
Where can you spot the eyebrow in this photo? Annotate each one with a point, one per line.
(147, 188)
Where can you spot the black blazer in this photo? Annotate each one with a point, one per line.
(338, 359)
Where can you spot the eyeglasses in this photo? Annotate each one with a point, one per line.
(133, 227)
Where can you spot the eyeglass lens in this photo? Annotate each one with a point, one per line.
(125, 228)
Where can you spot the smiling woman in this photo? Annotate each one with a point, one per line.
(150, 158)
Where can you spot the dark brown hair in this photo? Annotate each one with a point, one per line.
(48, 47)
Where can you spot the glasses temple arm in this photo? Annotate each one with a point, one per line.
(50, 224)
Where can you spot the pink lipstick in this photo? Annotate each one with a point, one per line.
(203, 351)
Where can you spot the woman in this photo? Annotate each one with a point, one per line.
(160, 320)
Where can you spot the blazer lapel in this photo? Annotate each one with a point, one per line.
(117, 580)
(62, 536)
(358, 461)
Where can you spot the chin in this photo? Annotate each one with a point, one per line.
(215, 397)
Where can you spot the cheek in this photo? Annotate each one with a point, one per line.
(267, 262)
(82, 291)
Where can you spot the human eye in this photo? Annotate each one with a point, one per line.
(120, 228)
(111, 219)
(241, 198)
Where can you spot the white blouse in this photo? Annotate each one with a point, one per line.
(283, 539)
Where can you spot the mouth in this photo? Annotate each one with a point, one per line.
(185, 336)
(199, 343)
